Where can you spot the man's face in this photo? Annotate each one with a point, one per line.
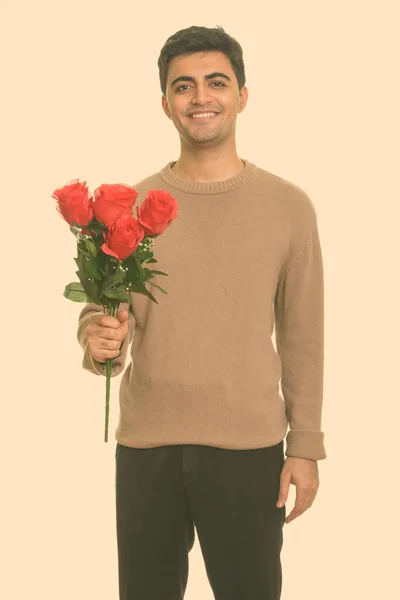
(219, 94)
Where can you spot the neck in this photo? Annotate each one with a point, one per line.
(207, 166)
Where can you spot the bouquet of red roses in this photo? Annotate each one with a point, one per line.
(113, 245)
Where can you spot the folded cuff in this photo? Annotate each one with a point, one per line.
(305, 443)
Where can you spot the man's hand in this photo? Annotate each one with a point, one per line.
(106, 333)
(303, 473)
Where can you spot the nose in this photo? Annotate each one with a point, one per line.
(201, 94)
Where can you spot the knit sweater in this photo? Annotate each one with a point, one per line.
(243, 257)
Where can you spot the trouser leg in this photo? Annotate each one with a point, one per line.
(154, 529)
(233, 495)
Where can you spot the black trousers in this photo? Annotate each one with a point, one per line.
(229, 496)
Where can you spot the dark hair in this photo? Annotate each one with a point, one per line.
(201, 39)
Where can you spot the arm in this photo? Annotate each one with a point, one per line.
(91, 364)
(299, 318)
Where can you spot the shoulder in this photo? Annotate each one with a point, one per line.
(293, 204)
(291, 195)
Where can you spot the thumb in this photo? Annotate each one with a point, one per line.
(122, 316)
(284, 489)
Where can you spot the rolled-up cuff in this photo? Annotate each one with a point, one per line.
(305, 443)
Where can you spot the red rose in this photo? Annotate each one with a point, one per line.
(74, 203)
(157, 211)
(124, 236)
(112, 200)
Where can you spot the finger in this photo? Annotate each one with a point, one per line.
(106, 344)
(302, 503)
(292, 516)
(102, 356)
(122, 316)
(109, 333)
(110, 328)
(283, 490)
(108, 321)
(296, 512)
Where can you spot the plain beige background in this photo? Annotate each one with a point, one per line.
(81, 98)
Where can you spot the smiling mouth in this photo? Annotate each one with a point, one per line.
(204, 118)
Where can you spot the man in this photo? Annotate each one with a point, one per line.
(202, 423)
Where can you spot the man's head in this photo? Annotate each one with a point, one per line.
(201, 39)
(202, 69)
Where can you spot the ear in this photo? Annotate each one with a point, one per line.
(164, 104)
(243, 96)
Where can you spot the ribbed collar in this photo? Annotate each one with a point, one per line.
(213, 187)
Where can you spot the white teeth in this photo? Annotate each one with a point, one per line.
(196, 116)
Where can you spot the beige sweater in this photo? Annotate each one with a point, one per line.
(242, 256)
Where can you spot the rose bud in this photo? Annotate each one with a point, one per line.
(73, 203)
(123, 237)
(112, 201)
(157, 211)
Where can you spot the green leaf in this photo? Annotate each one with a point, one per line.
(157, 286)
(112, 280)
(159, 272)
(141, 273)
(96, 225)
(118, 294)
(74, 291)
(88, 266)
(93, 290)
(93, 268)
(148, 274)
(75, 286)
(82, 249)
(91, 246)
(131, 277)
(146, 260)
(131, 274)
(91, 287)
(110, 263)
(82, 263)
(129, 261)
(139, 288)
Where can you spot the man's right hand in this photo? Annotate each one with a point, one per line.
(105, 335)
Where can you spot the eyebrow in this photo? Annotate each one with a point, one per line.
(209, 76)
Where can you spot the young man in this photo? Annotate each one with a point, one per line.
(202, 422)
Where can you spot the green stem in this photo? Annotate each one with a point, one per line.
(113, 311)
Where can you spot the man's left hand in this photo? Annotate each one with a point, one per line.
(303, 473)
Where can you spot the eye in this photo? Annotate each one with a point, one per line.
(186, 85)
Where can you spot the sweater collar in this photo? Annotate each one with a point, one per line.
(213, 187)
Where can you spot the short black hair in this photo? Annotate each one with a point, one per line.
(201, 39)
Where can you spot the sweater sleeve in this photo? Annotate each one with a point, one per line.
(88, 362)
(299, 326)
